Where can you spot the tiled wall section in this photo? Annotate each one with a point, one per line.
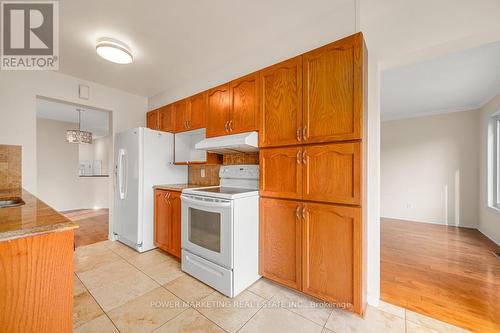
(211, 174)
(249, 158)
(10, 166)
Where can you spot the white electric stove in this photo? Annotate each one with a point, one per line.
(220, 230)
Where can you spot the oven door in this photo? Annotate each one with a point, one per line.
(207, 228)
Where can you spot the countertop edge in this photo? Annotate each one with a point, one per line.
(36, 231)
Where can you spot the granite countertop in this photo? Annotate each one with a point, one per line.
(33, 218)
(178, 187)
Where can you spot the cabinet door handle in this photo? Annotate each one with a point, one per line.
(299, 131)
(305, 133)
(297, 213)
(230, 126)
(299, 160)
(189, 123)
(304, 157)
(304, 212)
(225, 126)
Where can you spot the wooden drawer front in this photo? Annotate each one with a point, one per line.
(329, 253)
(281, 93)
(280, 241)
(332, 93)
(332, 173)
(281, 172)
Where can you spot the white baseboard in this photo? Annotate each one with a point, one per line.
(489, 236)
(409, 219)
(373, 300)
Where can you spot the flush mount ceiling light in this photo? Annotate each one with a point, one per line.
(79, 136)
(114, 51)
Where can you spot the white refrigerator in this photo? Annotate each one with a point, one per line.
(143, 158)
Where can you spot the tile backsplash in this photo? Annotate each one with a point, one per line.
(248, 158)
(10, 166)
(210, 172)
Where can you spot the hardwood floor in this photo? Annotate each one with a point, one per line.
(93, 225)
(448, 273)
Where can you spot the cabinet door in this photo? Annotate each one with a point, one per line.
(175, 223)
(333, 91)
(218, 111)
(197, 110)
(161, 220)
(281, 172)
(167, 119)
(181, 115)
(332, 253)
(280, 241)
(281, 100)
(245, 106)
(152, 120)
(332, 173)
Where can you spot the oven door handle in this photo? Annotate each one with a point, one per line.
(206, 203)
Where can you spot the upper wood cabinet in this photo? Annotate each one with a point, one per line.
(244, 104)
(281, 172)
(218, 111)
(281, 241)
(281, 100)
(196, 116)
(332, 173)
(181, 112)
(167, 221)
(331, 249)
(153, 119)
(167, 119)
(333, 94)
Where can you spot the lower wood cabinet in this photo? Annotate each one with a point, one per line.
(281, 241)
(167, 221)
(314, 248)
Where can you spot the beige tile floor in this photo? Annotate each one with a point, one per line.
(119, 290)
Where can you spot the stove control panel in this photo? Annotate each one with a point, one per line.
(245, 171)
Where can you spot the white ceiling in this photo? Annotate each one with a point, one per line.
(177, 41)
(456, 82)
(92, 120)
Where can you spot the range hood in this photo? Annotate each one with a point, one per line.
(231, 144)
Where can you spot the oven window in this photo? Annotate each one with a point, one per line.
(204, 229)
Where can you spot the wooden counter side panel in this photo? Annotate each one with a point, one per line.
(36, 283)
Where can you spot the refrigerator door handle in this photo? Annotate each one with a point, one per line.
(122, 173)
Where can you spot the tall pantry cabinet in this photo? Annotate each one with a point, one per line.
(312, 161)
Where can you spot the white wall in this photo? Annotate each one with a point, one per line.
(430, 169)
(58, 183)
(18, 91)
(489, 218)
(99, 150)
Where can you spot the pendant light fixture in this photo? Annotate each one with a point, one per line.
(79, 136)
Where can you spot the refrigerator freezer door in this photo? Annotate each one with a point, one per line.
(128, 175)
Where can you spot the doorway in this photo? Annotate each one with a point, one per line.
(73, 168)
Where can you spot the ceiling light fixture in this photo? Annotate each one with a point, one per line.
(79, 136)
(114, 51)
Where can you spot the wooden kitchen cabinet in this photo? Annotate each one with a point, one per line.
(153, 119)
(325, 173)
(281, 172)
(167, 221)
(218, 111)
(281, 100)
(333, 91)
(331, 253)
(332, 173)
(198, 105)
(167, 119)
(181, 112)
(244, 105)
(281, 241)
